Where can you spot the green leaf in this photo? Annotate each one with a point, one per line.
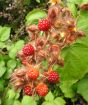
(11, 64)
(51, 101)
(8, 73)
(17, 95)
(16, 102)
(8, 101)
(11, 94)
(2, 63)
(2, 70)
(74, 1)
(12, 53)
(82, 21)
(59, 101)
(49, 97)
(2, 45)
(73, 8)
(67, 88)
(82, 88)
(4, 33)
(84, 1)
(10, 97)
(10, 47)
(1, 85)
(38, 1)
(48, 103)
(79, 2)
(28, 100)
(76, 64)
(34, 16)
(18, 46)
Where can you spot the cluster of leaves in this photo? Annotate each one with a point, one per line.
(74, 78)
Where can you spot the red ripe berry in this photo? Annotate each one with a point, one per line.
(27, 90)
(33, 74)
(42, 89)
(28, 50)
(53, 77)
(44, 25)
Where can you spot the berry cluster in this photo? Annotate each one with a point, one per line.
(59, 30)
(32, 81)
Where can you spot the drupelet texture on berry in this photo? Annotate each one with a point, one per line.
(33, 74)
(44, 25)
(27, 90)
(28, 50)
(53, 77)
(42, 89)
